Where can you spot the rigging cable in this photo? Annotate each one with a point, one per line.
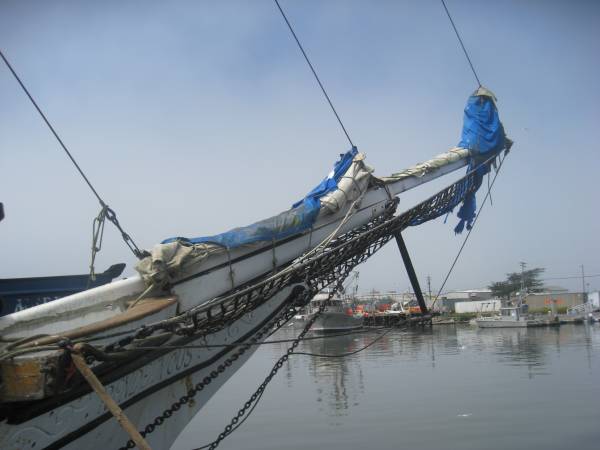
(461, 42)
(469, 233)
(110, 214)
(314, 72)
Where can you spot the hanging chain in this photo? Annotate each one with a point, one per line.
(275, 324)
(112, 216)
(231, 427)
(330, 266)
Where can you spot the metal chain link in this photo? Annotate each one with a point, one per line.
(278, 365)
(112, 216)
(330, 266)
(276, 323)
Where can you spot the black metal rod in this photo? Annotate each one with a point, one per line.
(410, 270)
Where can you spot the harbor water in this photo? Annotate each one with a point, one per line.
(450, 387)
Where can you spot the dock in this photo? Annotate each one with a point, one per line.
(387, 320)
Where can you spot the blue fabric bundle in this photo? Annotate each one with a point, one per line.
(483, 134)
(299, 218)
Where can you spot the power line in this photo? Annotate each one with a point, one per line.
(461, 42)
(314, 72)
(575, 277)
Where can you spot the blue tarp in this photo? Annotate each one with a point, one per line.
(484, 136)
(299, 218)
(482, 130)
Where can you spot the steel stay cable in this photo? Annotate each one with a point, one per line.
(469, 232)
(110, 214)
(461, 42)
(314, 72)
(51, 129)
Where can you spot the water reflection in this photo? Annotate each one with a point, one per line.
(339, 383)
(448, 387)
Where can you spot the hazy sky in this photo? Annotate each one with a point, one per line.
(193, 117)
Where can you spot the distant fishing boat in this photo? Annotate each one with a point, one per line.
(509, 317)
(338, 315)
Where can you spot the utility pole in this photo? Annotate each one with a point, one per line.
(522, 264)
(583, 284)
(429, 286)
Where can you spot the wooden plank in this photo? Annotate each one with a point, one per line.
(145, 307)
(112, 406)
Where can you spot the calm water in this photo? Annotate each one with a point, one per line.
(448, 388)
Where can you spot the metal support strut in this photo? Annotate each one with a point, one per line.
(410, 270)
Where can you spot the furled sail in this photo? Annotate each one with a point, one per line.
(176, 256)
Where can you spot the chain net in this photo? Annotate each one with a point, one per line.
(328, 267)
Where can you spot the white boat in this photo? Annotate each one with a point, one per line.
(163, 342)
(338, 315)
(45, 406)
(509, 317)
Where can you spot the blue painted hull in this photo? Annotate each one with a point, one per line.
(17, 294)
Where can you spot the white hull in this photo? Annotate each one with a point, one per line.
(507, 323)
(85, 424)
(147, 391)
(336, 321)
(500, 323)
(216, 276)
